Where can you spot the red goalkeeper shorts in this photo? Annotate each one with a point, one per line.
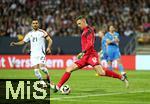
(90, 59)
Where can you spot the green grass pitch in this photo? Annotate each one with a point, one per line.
(86, 88)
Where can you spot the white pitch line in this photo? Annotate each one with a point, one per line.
(92, 95)
(96, 101)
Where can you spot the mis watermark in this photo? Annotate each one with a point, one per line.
(23, 91)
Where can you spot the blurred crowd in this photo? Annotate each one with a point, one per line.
(57, 16)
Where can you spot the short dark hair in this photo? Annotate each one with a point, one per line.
(35, 19)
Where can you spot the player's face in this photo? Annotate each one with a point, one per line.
(111, 28)
(81, 23)
(35, 25)
(101, 34)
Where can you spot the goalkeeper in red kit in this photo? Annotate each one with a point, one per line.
(88, 56)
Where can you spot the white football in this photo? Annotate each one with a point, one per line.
(65, 89)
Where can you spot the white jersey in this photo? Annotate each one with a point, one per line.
(37, 42)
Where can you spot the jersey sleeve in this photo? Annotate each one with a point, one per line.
(45, 33)
(106, 36)
(89, 40)
(27, 38)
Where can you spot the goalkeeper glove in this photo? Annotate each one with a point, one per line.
(81, 54)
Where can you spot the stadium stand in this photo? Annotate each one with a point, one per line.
(57, 16)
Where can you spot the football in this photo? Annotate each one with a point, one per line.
(65, 90)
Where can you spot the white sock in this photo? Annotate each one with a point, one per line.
(57, 88)
(123, 73)
(38, 74)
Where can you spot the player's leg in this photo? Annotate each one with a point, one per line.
(121, 69)
(103, 59)
(104, 64)
(93, 61)
(42, 65)
(110, 55)
(109, 73)
(106, 72)
(75, 66)
(110, 67)
(114, 64)
(113, 54)
(117, 57)
(65, 76)
(35, 65)
(45, 70)
(120, 66)
(36, 72)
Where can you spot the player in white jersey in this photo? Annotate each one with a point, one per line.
(37, 38)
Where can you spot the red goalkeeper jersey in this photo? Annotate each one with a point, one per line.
(88, 40)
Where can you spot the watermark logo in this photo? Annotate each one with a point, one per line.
(23, 91)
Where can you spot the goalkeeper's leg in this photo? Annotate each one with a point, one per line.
(109, 73)
(65, 76)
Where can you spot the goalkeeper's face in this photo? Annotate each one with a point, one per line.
(35, 25)
(81, 23)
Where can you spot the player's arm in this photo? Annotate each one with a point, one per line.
(17, 43)
(49, 40)
(115, 40)
(26, 39)
(108, 41)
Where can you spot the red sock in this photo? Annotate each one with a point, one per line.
(112, 74)
(64, 78)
